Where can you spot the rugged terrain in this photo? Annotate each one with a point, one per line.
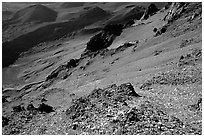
(133, 68)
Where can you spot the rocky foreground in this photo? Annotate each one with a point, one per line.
(113, 110)
(116, 109)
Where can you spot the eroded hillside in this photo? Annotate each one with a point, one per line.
(139, 75)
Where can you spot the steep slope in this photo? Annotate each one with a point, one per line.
(152, 9)
(124, 15)
(6, 14)
(147, 80)
(27, 19)
(12, 49)
(67, 16)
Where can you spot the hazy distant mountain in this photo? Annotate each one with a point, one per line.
(32, 13)
(71, 4)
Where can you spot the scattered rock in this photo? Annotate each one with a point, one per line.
(196, 107)
(30, 107)
(186, 42)
(63, 69)
(120, 119)
(174, 78)
(190, 59)
(18, 108)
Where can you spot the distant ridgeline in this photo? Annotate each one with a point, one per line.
(12, 48)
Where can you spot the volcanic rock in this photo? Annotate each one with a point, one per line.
(30, 107)
(66, 67)
(45, 108)
(152, 9)
(115, 29)
(175, 11)
(155, 30)
(190, 59)
(160, 30)
(129, 23)
(105, 38)
(18, 108)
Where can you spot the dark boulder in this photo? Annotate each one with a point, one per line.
(104, 39)
(45, 108)
(160, 31)
(100, 41)
(155, 30)
(163, 29)
(129, 89)
(4, 99)
(72, 63)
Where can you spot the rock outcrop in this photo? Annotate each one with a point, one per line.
(151, 10)
(103, 39)
(191, 58)
(175, 11)
(129, 23)
(160, 31)
(134, 13)
(113, 111)
(63, 68)
(45, 108)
